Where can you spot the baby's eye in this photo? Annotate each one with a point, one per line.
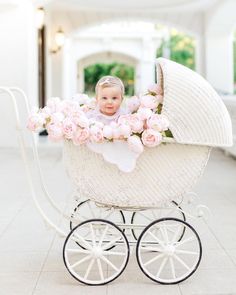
(114, 98)
(104, 98)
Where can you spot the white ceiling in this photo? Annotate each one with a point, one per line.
(73, 15)
(133, 5)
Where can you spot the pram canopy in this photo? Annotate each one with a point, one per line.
(196, 112)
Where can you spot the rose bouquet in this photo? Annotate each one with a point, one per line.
(144, 125)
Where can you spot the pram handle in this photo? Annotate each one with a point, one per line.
(10, 92)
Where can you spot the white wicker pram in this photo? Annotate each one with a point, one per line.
(168, 249)
(198, 121)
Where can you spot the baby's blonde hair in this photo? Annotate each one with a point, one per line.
(110, 81)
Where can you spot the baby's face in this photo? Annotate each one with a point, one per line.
(109, 100)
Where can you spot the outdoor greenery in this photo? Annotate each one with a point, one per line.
(181, 47)
(94, 72)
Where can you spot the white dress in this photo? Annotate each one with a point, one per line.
(98, 116)
(116, 152)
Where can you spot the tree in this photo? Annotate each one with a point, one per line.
(94, 72)
(182, 48)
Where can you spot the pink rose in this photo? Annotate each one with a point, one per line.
(85, 108)
(92, 103)
(158, 122)
(70, 107)
(81, 120)
(46, 110)
(116, 133)
(125, 130)
(55, 131)
(36, 122)
(35, 110)
(151, 138)
(96, 134)
(149, 101)
(98, 124)
(114, 124)
(81, 98)
(133, 103)
(135, 144)
(108, 132)
(94, 122)
(57, 117)
(155, 88)
(136, 123)
(81, 136)
(54, 104)
(124, 119)
(144, 113)
(69, 128)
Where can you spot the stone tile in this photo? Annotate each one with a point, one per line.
(211, 281)
(54, 261)
(62, 283)
(232, 255)
(20, 261)
(18, 283)
(215, 259)
(131, 282)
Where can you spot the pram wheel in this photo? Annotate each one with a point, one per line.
(88, 210)
(147, 216)
(96, 263)
(165, 259)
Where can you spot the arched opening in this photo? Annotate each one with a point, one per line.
(91, 68)
(94, 72)
(130, 47)
(179, 47)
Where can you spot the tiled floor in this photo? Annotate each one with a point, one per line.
(31, 253)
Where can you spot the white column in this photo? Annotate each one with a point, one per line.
(219, 61)
(147, 71)
(18, 60)
(147, 64)
(68, 70)
(137, 86)
(56, 71)
(80, 78)
(200, 56)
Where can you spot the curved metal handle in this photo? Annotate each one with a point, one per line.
(9, 92)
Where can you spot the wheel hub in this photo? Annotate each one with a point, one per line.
(170, 250)
(97, 252)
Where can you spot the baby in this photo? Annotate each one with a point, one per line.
(109, 96)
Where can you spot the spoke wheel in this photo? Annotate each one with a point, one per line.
(97, 263)
(147, 216)
(165, 259)
(89, 210)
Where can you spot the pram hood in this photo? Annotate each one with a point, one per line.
(196, 112)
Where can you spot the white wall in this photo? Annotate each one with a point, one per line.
(219, 56)
(17, 64)
(219, 25)
(139, 52)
